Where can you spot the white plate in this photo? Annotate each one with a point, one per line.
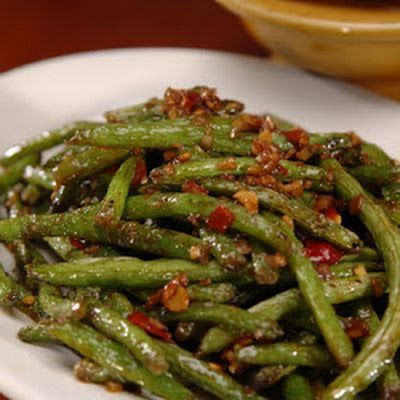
(46, 94)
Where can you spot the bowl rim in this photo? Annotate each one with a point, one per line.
(389, 30)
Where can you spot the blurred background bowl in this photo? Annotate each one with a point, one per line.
(353, 39)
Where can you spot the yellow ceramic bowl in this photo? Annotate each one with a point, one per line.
(334, 37)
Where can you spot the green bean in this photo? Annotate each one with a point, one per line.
(337, 291)
(270, 375)
(130, 272)
(213, 167)
(36, 334)
(204, 168)
(223, 248)
(86, 370)
(188, 367)
(297, 387)
(40, 177)
(43, 142)
(227, 316)
(345, 269)
(84, 164)
(362, 254)
(263, 271)
(392, 209)
(281, 123)
(136, 113)
(389, 382)
(311, 221)
(10, 175)
(55, 159)
(65, 250)
(391, 192)
(116, 359)
(303, 171)
(113, 204)
(14, 294)
(331, 141)
(382, 345)
(164, 134)
(117, 302)
(132, 235)
(287, 353)
(376, 174)
(55, 306)
(280, 141)
(20, 249)
(372, 154)
(30, 194)
(142, 346)
(214, 293)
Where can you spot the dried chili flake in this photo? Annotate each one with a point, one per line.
(297, 137)
(321, 252)
(333, 214)
(356, 204)
(140, 175)
(356, 327)
(150, 325)
(77, 243)
(193, 187)
(220, 219)
(377, 288)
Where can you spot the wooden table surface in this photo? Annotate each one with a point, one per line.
(33, 30)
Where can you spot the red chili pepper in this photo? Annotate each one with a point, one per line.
(332, 214)
(322, 252)
(150, 325)
(356, 327)
(193, 187)
(140, 172)
(220, 219)
(296, 136)
(77, 244)
(190, 100)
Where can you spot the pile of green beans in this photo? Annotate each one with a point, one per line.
(184, 246)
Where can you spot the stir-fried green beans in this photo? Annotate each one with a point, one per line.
(286, 353)
(183, 244)
(308, 219)
(373, 358)
(117, 359)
